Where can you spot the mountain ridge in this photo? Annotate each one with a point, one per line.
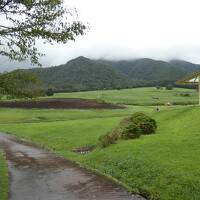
(82, 74)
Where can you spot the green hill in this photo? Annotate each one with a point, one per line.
(82, 74)
(152, 71)
(187, 67)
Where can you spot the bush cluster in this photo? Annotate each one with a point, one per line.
(130, 128)
(159, 87)
(169, 87)
(131, 132)
(185, 94)
(49, 92)
(145, 123)
(107, 139)
(140, 124)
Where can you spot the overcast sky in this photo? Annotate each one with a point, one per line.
(128, 29)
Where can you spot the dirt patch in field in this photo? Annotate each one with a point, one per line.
(59, 104)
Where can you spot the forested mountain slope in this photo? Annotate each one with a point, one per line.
(86, 74)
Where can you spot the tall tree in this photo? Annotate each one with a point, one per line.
(19, 84)
(22, 22)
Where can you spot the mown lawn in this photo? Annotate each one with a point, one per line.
(164, 165)
(3, 178)
(138, 96)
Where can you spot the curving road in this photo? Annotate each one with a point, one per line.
(36, 174)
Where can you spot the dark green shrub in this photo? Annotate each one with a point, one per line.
(146, 124)
(129, 128)
(49, 92)
(107, 139)
(184, 103)
(159, 87)
(169, 87)
(137, 116)
(131, 132)
(185, 94)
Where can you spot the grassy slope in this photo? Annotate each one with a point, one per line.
(137, 96)
(164, 165)
(3, 178)
(63, 130)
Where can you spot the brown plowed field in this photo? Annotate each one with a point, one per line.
(59, 104)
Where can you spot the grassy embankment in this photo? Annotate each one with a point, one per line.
(3, 178)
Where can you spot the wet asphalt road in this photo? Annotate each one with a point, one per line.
(36, 174)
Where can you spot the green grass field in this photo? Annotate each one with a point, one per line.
(137, 96)
(162, 166)
(3, 178)
(46, 115)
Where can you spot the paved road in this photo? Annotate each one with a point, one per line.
(36, 174)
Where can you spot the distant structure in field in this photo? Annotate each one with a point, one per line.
(192, 79)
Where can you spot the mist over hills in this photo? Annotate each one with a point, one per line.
(81, 74)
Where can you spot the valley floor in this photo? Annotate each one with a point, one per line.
(138, 96)
(161, 166)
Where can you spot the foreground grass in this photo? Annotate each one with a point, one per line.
(3, 178)
(63, 136)
(164, 165)
(137, 96)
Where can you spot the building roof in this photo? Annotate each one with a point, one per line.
(192, 79)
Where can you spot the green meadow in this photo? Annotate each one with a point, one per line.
(138, 96)
(162, 166)
(3, 178)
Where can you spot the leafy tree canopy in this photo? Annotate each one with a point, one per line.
(19, 84)
(22, 22)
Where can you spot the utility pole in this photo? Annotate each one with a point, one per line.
(199, 88)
